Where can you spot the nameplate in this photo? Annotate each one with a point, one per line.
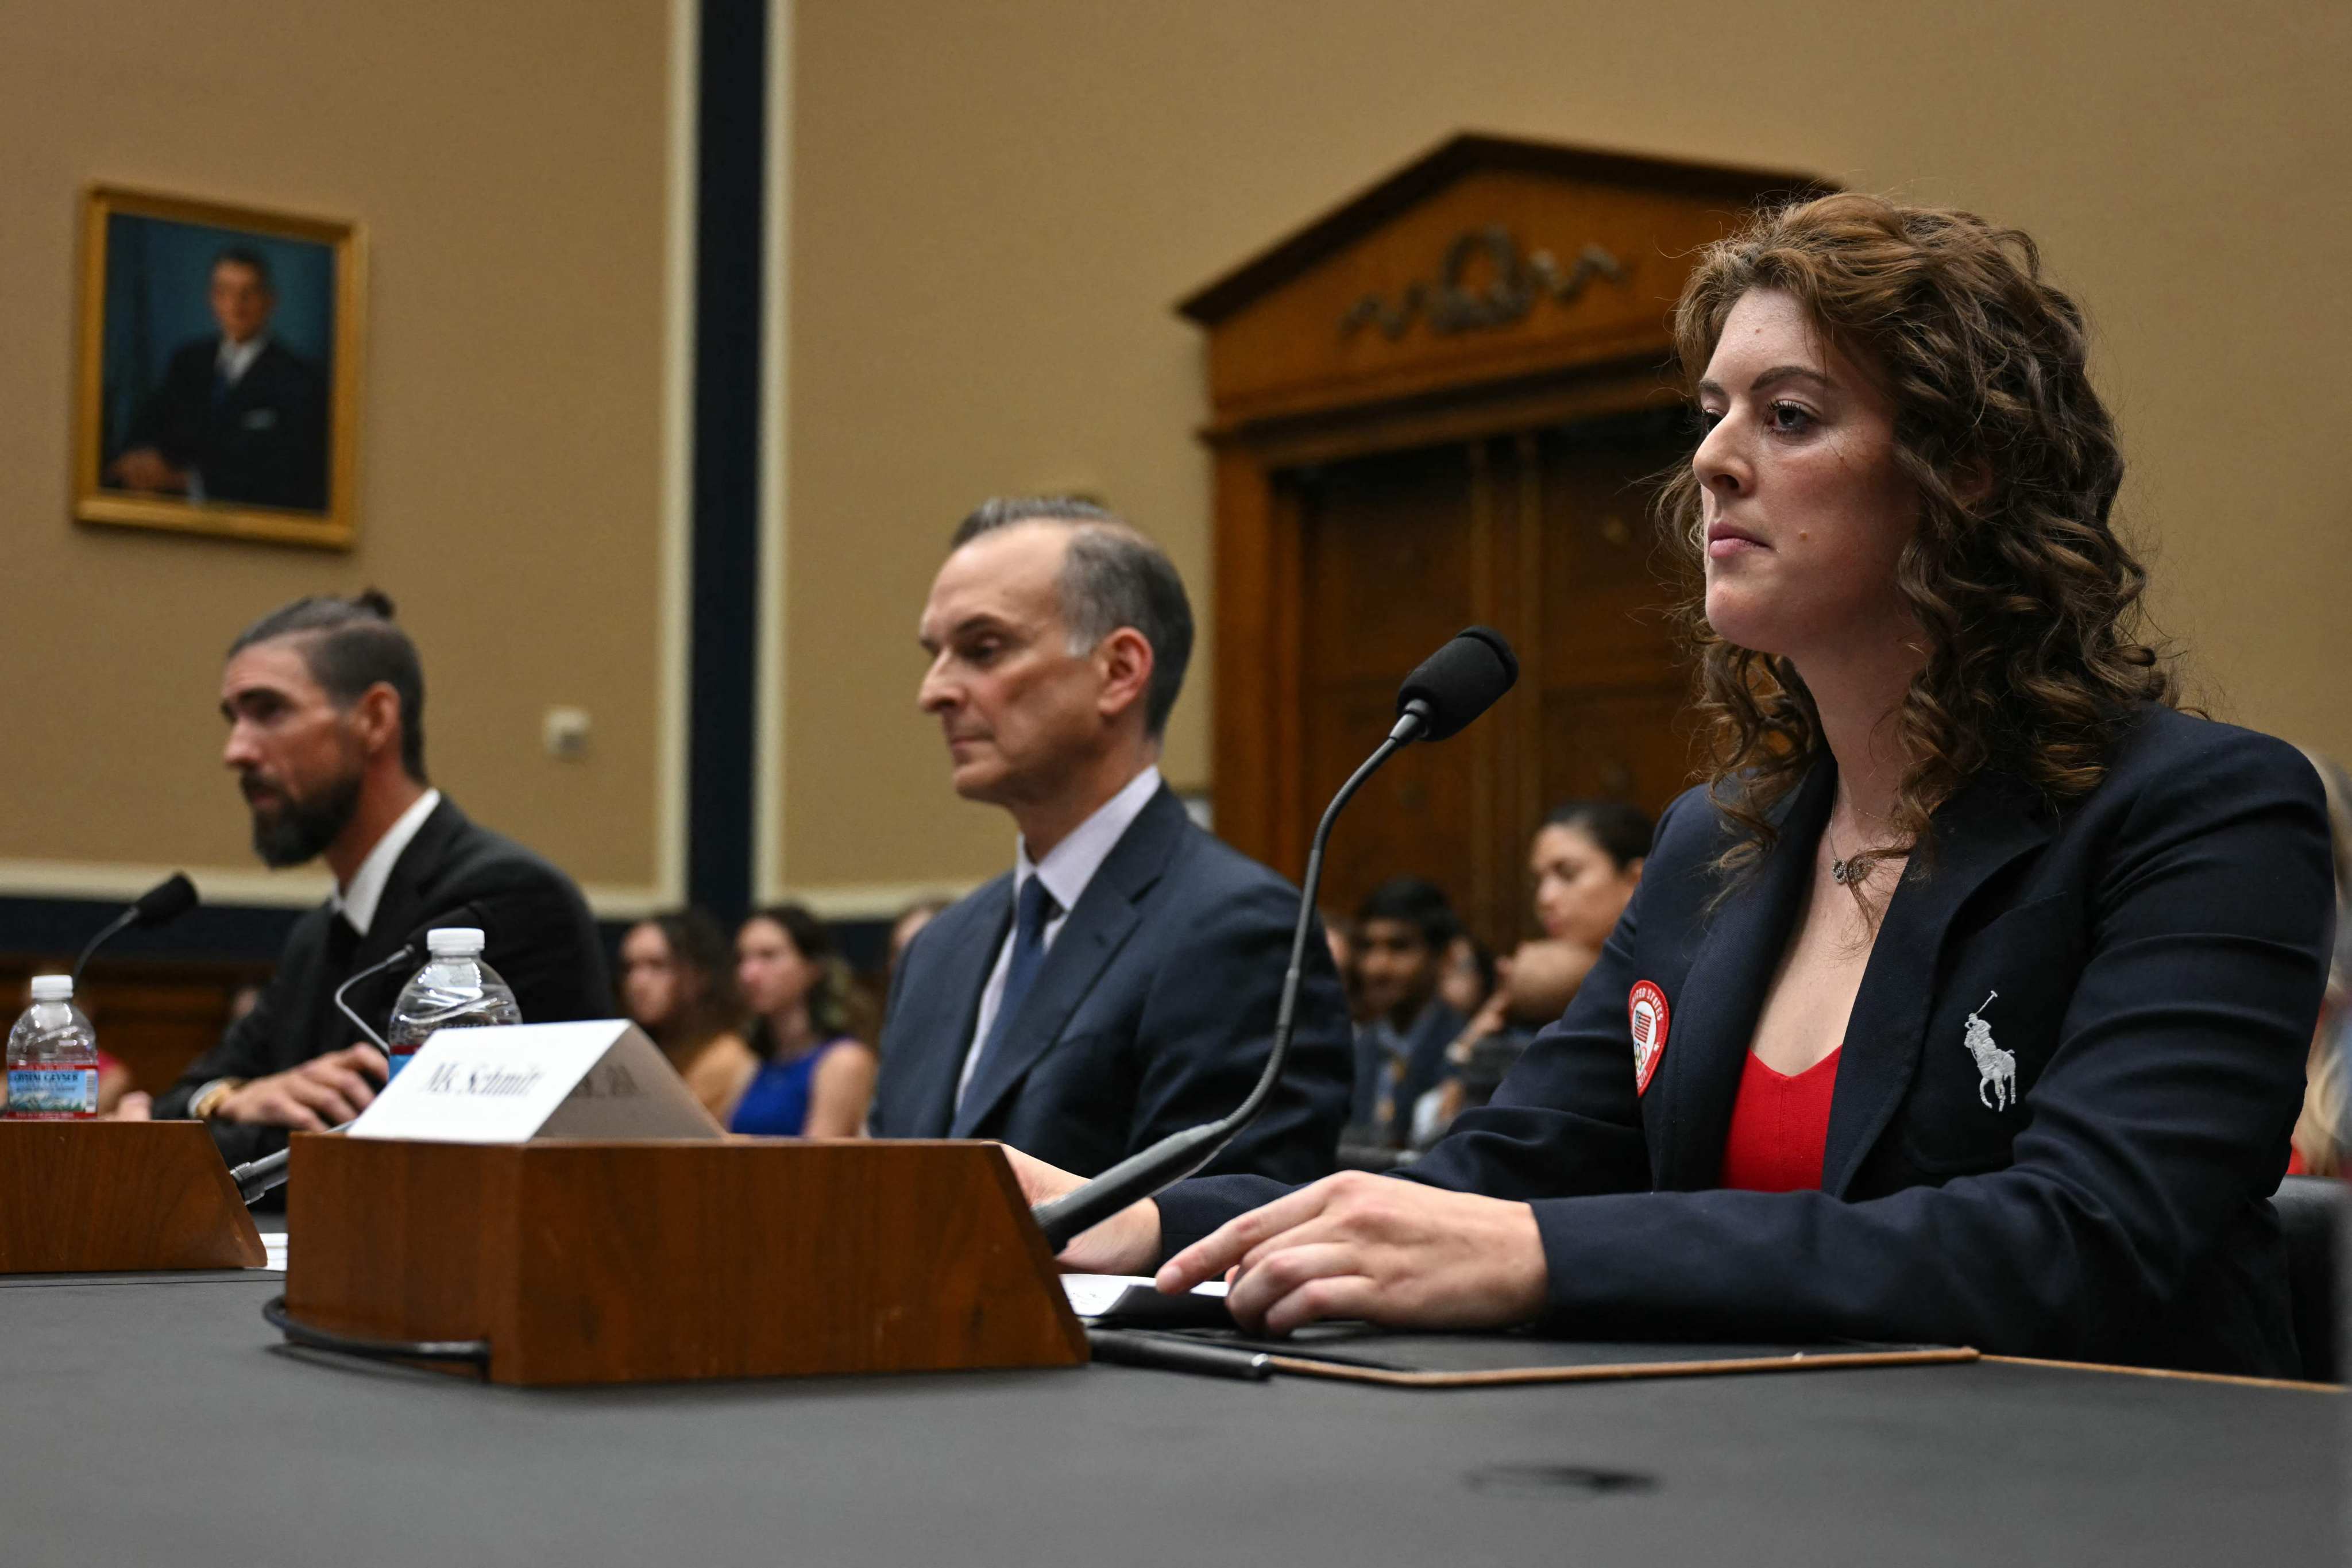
(519, 1081)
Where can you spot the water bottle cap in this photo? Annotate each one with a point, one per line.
(52, 987)
(453, 941)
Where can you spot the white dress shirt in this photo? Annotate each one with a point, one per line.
(235, 359)
(1066, 869)
(357, 903)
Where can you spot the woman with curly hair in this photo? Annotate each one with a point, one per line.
(1967, 1000)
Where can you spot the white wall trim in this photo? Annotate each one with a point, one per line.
(868, 900)
(768, 687)
(670, 729)
(125, 880)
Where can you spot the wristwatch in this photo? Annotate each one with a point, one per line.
(208, 1099)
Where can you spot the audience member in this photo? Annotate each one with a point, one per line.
(1120, 984)
(2323, 1133)
(1403, 927)
(325, 706)
(1587, 859)
(816, 1077)
(1534, 987)
(677, 985)
(1339, 936)
(1585, 862)
(1467, 975)
(911, 920)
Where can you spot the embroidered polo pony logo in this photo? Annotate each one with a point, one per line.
(1996, 1068)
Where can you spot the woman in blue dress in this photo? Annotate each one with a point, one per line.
(816, 1077)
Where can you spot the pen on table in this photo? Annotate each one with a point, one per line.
(1179, 1355)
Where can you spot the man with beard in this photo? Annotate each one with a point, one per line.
(325, 704)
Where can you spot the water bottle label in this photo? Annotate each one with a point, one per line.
(52, 1091)
(398, 1059)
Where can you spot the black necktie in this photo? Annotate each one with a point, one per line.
(1035, 910)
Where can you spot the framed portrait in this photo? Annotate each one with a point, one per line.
(220, 370)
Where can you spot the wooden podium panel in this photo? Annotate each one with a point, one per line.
(624, 1262)
(92, 1198)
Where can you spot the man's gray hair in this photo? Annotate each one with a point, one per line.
(1111, 577)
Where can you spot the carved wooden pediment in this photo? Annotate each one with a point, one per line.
(1488, 259)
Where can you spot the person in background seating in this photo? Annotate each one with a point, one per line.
(1403, 927)
(677, 984)
(1587, 860)
(816, 1077)
(2323, 1133)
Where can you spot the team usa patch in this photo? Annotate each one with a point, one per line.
(1645, 1006)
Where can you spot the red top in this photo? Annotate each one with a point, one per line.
(1780, 1127)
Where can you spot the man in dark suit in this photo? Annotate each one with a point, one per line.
(240, 417)
(1120, 982)
(325, 703)
(1403, 929)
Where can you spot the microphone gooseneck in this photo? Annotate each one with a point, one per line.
(166, 901)
(1453, 687)
(257, 1179)
(405, 952)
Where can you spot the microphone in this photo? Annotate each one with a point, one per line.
(1458, 682)
(255, 1178)
(165, 902)
(1453, 687)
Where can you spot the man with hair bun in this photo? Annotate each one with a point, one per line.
(1120, 984)
(325, 705)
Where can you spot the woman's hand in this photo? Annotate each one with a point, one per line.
(1127, 1243)
(1391, 1252)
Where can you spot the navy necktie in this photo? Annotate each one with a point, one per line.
(1035, 910)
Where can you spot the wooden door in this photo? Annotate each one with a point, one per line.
(1545, 535)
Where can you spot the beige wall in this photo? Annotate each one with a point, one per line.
(511, 165)
(994, 207)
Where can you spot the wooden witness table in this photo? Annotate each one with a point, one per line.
(160, 1419)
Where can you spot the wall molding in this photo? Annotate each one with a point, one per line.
(769, 684)
(862, 902)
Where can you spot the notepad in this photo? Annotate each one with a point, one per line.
(1133, 1300)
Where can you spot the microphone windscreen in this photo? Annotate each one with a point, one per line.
(1460, 680)
(166, 901)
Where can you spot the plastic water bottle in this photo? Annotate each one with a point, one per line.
(455, 990)
(52, 1056)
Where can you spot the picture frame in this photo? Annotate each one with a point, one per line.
(219, 378)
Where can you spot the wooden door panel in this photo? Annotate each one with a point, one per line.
(1387, 563)
(1631, 743)
(1414, 817)
(1608, 582)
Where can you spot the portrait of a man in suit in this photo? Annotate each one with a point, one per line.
(239, 418)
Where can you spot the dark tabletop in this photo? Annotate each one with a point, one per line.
(161, 1421)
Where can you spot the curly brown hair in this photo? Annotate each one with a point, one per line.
(2026, 599)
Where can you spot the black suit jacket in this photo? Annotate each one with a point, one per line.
(263, 443)
(1152, 1011)
(541, 939)
(2159, 953)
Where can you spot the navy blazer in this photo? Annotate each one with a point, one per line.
(2065, 1095)
(1152, 1011)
